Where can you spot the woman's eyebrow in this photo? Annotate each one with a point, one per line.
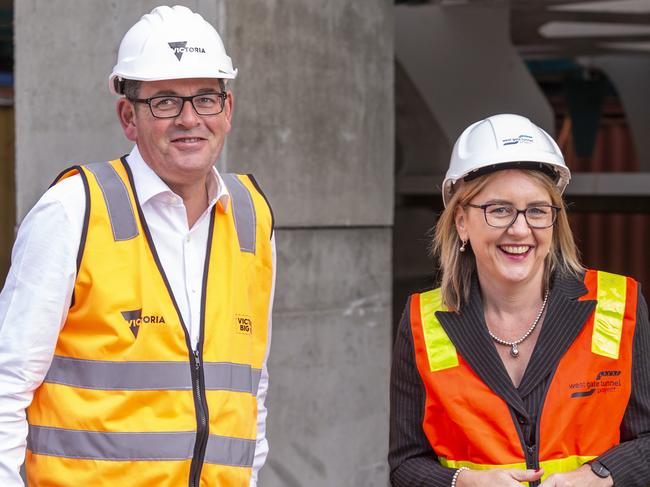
(497, 201)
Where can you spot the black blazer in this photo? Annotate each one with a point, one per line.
(412, 460)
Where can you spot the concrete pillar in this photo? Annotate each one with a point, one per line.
(314, 122)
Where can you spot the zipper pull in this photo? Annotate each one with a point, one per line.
(197, 360)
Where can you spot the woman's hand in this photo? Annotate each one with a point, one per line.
(497, 478)
(581, 477)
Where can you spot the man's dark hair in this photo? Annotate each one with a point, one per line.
(131, 88)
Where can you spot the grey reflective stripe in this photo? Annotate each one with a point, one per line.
(148, 376)
(99, 445)
(120, 211)
(243, 212)
(222, 450)
(221, 376)
(98, 374)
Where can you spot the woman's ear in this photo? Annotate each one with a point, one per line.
(460, 218)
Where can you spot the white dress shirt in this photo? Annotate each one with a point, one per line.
(37, 293)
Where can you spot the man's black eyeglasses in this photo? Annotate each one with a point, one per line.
(168, 106)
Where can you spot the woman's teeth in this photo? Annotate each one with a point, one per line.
(515, 249)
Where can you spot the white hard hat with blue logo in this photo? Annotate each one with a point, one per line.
(501, 142)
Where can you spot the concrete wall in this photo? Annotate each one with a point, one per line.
(64, 112)
(314, 122)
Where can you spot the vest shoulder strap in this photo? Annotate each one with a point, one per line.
(118, 203)
(243, 210)
(440, 349)
(609, 314)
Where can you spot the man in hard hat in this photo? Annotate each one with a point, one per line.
(135, 321)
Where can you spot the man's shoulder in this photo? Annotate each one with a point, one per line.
(66, 191)
(67, 195)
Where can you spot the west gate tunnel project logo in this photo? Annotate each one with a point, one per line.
(522, 139)
(181, 48)
(135, 320)
(606, 381)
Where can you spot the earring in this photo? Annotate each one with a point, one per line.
(462, 247)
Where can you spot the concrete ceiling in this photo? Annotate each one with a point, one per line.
(572, 28)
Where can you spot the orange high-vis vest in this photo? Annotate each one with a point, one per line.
(126, 400)
(468, 425)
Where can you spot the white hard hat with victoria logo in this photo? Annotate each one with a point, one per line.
(170, 43)
(501, 142)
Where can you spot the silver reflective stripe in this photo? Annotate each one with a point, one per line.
(222, 450)
(243, 212)
(120, 211)
(99, 445)
(148, 376)
(221, 376)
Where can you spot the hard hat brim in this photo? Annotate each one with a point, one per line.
(212, 74)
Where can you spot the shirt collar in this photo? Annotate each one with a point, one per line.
(148, 184)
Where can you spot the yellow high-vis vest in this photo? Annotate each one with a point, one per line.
(126, 400)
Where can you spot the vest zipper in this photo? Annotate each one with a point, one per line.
(198, 380)
(201, 420)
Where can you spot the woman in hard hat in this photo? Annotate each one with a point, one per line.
(522, 366)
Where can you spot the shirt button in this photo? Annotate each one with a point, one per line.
(521, 419)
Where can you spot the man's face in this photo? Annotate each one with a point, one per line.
(181, 150)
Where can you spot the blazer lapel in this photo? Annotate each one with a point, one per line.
(565, 318)
(468, 331)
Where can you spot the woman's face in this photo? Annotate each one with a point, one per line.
(512, 255)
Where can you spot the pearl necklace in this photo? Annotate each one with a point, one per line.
(514, 351)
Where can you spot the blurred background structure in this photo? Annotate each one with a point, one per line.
(346, 112)
(579, 69)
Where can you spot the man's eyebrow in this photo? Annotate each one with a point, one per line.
(212, 89)
(200, 91)
(164, 93)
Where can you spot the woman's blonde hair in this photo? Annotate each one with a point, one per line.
(458, 267)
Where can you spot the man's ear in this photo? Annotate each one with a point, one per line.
(126, 115)
(228, 107)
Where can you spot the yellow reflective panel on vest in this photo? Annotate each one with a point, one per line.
(479, 466)
(550, 466)
(440, 350)
(608, 318)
